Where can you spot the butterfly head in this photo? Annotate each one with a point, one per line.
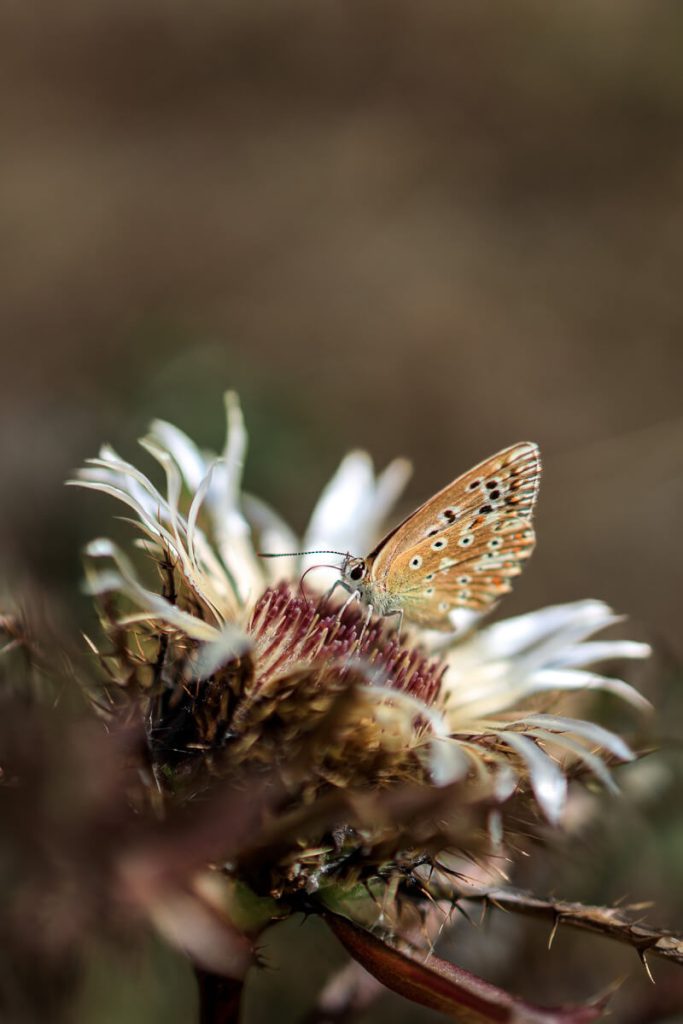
(354, 570)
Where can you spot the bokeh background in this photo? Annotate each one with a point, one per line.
(428, 228)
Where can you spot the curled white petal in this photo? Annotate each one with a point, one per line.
(233, 535)
(577, 679)
(124, 580)
(501, 665)
(447, 762)
(591, 760)
(230, 643)
(500, 688)
(389, 487)
(351, 510)
(275, 537)
(592, 652)
(188, 458)
(589, 730)
(195, 508)
(542, 633)
(546, 777)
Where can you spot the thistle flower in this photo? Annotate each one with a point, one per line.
(235, 668)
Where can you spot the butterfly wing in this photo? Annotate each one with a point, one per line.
(463, 546)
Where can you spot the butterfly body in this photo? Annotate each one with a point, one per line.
(460, 549)
(356, 577)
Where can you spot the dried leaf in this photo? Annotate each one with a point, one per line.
(440, 985)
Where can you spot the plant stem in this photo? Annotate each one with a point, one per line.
(219, 998)
(614, 922)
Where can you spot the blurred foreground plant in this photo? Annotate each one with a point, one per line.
(264, 754)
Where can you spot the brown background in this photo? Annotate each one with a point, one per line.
(428, 228)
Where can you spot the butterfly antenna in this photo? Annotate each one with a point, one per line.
(310, 569)
(296, 554)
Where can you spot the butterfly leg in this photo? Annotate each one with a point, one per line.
(353, 596)
(366, 623)
(326, 597)
(399, 612)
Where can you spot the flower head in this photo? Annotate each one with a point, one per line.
(381, 756)
(232, 669)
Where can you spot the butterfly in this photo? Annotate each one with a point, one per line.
(460, 549)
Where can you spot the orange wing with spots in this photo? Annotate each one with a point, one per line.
(463, 546)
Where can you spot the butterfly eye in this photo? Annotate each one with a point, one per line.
(356, 573)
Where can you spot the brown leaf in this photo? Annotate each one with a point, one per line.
(442, 986)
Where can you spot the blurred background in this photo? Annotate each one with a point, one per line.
(429, 229)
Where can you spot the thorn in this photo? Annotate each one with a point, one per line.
(456, 906)
(427, 894)
(85, 636)
(446, 921)
(553, 931)
(642, 954)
